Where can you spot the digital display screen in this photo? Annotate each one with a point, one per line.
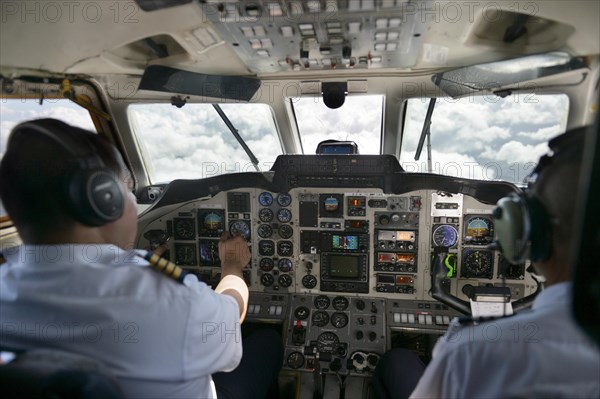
(405, 236)
(344, 266)
(209, 253)
(211, 222)
(344, 242)
(336, 148)
(357, 201)
(404, 280)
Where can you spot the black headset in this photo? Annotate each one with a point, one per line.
(523, 226)
(93, 193)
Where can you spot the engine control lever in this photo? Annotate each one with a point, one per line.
(318, 380)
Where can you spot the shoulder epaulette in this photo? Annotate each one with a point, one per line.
(164, 266)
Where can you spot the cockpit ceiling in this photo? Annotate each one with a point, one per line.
(285, 37)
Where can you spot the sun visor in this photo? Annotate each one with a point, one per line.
(505, 73)
(171, 80)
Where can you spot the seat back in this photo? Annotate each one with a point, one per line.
(56, 374)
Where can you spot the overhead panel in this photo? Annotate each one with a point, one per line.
(274, 36)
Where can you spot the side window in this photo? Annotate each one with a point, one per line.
(15, 111)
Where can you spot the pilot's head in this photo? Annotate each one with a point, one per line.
(556, 186)
(539, 224)
(63, 184)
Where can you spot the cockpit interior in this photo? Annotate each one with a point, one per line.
(358, 146)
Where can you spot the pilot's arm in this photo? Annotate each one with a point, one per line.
(213, 339)
(234, 255)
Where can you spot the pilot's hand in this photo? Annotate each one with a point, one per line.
(234, 254)
(160, 249)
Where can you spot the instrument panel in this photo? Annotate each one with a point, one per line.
(341, 268)
(340, 241)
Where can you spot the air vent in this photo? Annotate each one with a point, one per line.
(516, 30)
(141, 52)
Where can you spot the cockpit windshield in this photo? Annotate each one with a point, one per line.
(193, 142)
(358, 120)
(484, 137)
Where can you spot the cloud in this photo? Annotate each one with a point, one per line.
(15, 111)
(516, 151)
(446, 163)
(193, 142)
(358, 120)
(544, 133)
(507, 135)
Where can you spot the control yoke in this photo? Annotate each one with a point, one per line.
(438, 274)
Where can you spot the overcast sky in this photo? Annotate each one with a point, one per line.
(485, 137)
(358, 120)
(476, 137)
(193, 142)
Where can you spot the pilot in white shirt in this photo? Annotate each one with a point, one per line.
(72, 286)
(160, 338)
(538, 353)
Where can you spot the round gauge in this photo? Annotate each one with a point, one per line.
(267, 279)
(339, 319)
(185, 255)
(285, 280)
(322, 302)
(320, 319)
(284, 199)
(240, 227)
(264, 231)
(265, 198)
(477, 264)
(284, 215)
(331, 204)
(285, 248)
(301, 312)
(295, 360)
(284, 265)
(265, 215)
(340, 303)
(445, 235)
(184, 229)
(479, 230)
(266, 264)
(328, 342)
(309, 281)
(266, 248)
(213, 221)
(285, 231)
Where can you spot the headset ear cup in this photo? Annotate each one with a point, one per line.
(511, 226)
(95, 197)
(541, 231)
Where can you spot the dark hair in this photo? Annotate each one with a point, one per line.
(34, 175)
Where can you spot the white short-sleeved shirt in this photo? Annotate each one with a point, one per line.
(160, 338)
(536, 354)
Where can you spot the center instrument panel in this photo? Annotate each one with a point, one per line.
(341, 268)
